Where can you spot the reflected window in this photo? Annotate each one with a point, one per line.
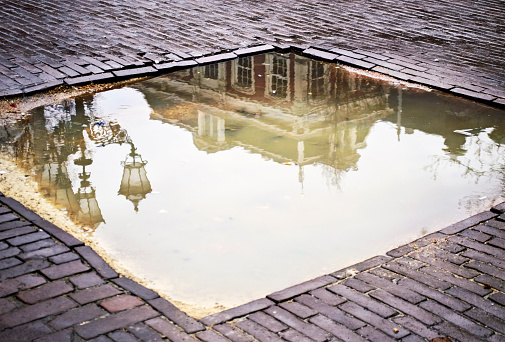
(317, 79)
(243, 74)
(278, 72)
(211, 71)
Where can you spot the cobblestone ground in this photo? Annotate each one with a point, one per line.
(451, 45)
(446, 286)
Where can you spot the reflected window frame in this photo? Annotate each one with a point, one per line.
(274, 78)
(238, 70)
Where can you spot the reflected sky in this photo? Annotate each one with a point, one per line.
(224, 183)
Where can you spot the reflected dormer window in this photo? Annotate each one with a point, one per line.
(318, 80)
(243, 74)
(211, 71)
(277, 77)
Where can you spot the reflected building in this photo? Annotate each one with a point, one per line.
(287, 108)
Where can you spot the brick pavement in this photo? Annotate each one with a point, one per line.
(446, 286)
(456, 46)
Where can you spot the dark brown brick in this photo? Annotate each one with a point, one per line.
(115, 321)
(121, 303)
(168, 329)
(257, 331)
(60, 336)
(63, 258)
(291, 320)
(455, 332)
(211, 336)
(363, 300)
(58, 233)
(467, 223)
(95, 293)
(498, 298)
(416, 327)
(135, 72)
(355, 62)
(438, 296)
(494, 282)
(238, 311)
(9, 262)
(488, 229)
(294, 336)
(13, 224)
(358, 285)
(65, 270)
(25, 268)
(96, 262)
(135, 288)
(298, 309)
(21, 240)
(335, 329)
(189, 324)
(25, 332)
(77, 316)
(483, 257)
(304, 287)
(374, 320)
(327, 297)
(486, 319)
(373, 334)
(475, 235)
(448, 277)
(390, 287)
(9, 252)
(253, 50)
(44, 292)
(485, 248)
(44, 252)
(16, 232)
(318, 54)
(487, 269)
(19, 208)
(38, 245)
(454, 318)
(497, 242)
(331, 312)
(36, 311)
(6, 306)
(267, 321)
(8, 217)
(122, 336)
(145, 333)
(21, 283)
(83, 281)
(428, 257)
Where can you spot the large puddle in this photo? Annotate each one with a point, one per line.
(224, 183)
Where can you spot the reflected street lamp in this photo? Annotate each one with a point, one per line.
(89, 211)
(134, 185)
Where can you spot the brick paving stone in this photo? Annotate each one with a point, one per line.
(172, 332)
(101, 338)
(334, 313)
(122, 336)
(144, 332)
(489, 280)
(63, 258)
(238, 311)
(469, 222)
(298, 309)
(4, 210)
(44, 292)
(304, 287)
(233, 333)
(24, 282)
(8, 217)
(294, 336)
(450, 278)
(375, 320)
(490, 230)
(446, 255)
(16, 232)
(64, 270)
(428, 257)
(96, 262)
(361, 266)
(60, 336)
(291, 320)
(58, 233)
(473, 94)
(438, 296)
(9, 262)
(38, 245)
(19, 208)
(96, 78)
(319, 54)
(498, 298)
(363, 300)
(455, 318)
(42, 86)
(327, 297)
(3, 246)
(260, 333)
(486, 268)
(27, 267)
(416, 327)
(77, 316)
(497, 242)
(135, 72)
(115, 321)
(355, 62)
(36, 311)
(85, 280)
(135, 288)
(44, 252)
(267, 321)
(391, 287)
(405, 307)
(94, 293)
(6, 306)
(189, 324)
(13, 224)
(454, 332)
(254, 50)
(415, 275)
(486, 319)
(338, 330)
(121, 303)
(25, 332)
(374, 335)
(475, 235)
(211, 336)
(358, 285)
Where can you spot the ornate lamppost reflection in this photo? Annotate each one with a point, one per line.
(135, 185)
(89, 211)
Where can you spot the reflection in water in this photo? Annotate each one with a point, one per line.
(267, 171)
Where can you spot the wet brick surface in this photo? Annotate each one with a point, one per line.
(452, 45)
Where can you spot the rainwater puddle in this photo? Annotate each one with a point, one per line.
(224, 183)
